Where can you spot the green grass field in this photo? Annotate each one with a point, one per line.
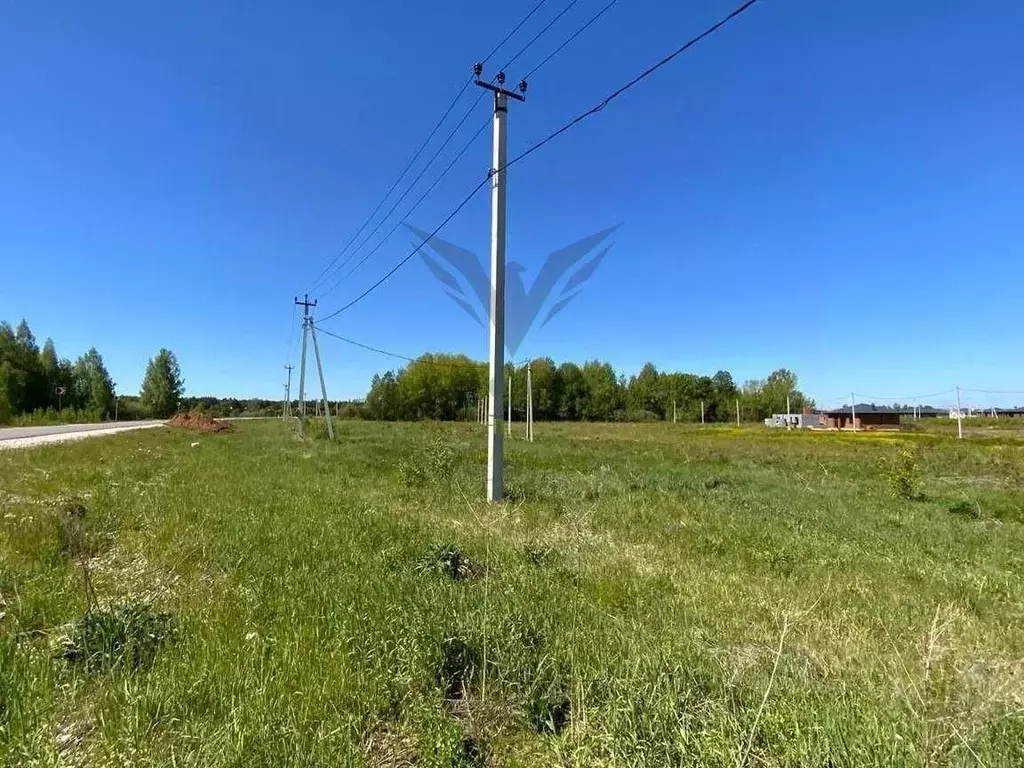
(649, 596)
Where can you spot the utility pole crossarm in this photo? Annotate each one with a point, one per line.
(501, 91)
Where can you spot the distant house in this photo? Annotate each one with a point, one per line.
(864, 416)
(969, 413)
(806, 420)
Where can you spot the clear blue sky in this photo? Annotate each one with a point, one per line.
(832, 187)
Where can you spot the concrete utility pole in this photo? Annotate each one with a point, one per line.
(529, 403)
(853, 411)
(959, 417)
(288, 394)
(495, 447)
(305, 304)
(323, 387)
(509, 425)
(673, 411)
(737, 411)
(701, 411)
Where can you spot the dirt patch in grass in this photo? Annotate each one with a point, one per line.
(199, 422)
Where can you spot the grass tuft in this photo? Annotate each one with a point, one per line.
(123, 637)
(450, 561)
(458, 668)
(549, 711)
(965, 509)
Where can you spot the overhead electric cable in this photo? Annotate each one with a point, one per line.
(558, 132)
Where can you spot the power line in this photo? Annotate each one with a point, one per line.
(418, 360)
(365, 346)
(412, 253)
(568, 40)
(642, 76)
(447, 141)
(405, 194)
(908, 397)
(515, 29)
(537, 36)
(993, 391)
(422, 147)
(558, 132)
(416, 205)
(397, 181)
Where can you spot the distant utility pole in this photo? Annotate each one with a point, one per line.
(305, 303)
(288, 393)
(509, 425)
(853, 411)
(309, 330)
(323, 387)
(673, 411)
(529, 403)
(737, 411)
(701, 411)
(959, 416)
(495, 447)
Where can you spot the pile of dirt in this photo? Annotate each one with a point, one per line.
(199, 422)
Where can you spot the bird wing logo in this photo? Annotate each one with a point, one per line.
(561, 278)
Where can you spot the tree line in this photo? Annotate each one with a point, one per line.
(447, 387)
(36, 384)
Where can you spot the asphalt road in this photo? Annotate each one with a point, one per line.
(20, 437)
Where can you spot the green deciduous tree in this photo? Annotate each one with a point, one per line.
(162, 387)
(446, 387)
(92, 389)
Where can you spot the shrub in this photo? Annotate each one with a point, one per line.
(903, 475)
(71, 537)
(412, 473)
(431, 464)
(965, 509)
(123, 637)
(442, 458)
